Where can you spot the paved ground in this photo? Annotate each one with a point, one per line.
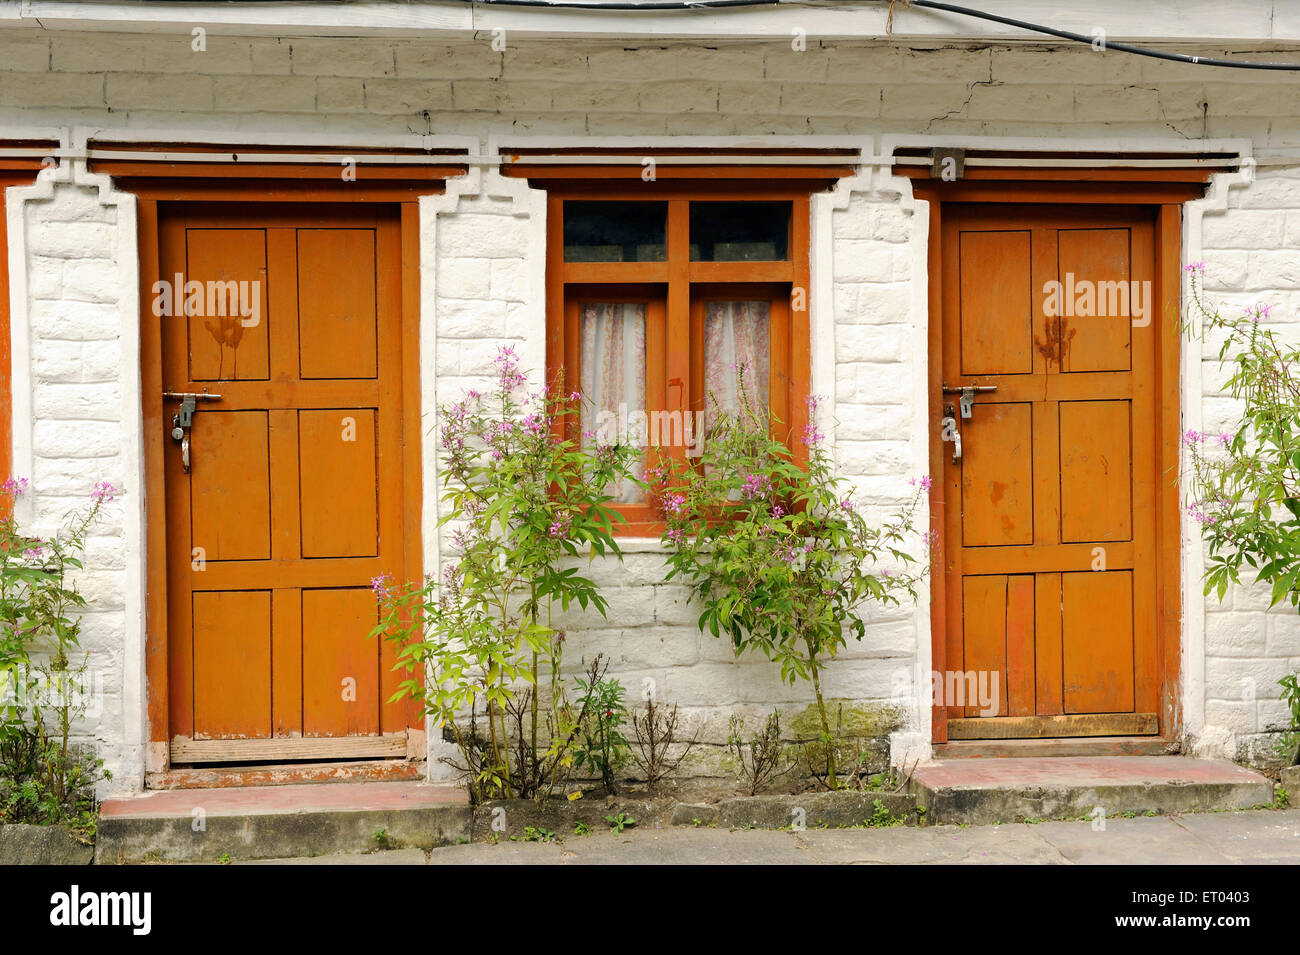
(1252, 837)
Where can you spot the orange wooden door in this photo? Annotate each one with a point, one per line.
(293, 500)
(1050, 523)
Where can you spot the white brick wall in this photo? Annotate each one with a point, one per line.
(482, 260)
(1250, 255)
(74, 381)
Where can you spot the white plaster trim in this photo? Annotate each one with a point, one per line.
(529, 207)
(1208, 741)
(80, 136)
(133, 735)
(1197, 20)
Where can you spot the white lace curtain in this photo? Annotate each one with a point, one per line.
(736, 335)
(613, 380)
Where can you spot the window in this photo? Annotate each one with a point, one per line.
(659, 299)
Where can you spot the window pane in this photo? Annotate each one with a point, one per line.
(613, 382)
(740, 231)
(615, 231)
(737, 337)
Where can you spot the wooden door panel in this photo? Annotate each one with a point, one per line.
(1096, 438)
(1020, 673)
(1094, 264)
(997, 479)
(1097, 641)
(223, 344)
(985, 638)
(232, 664)
(336, 303)
(1049, 550)
(340, 668)
(997, 335)
(337, 464)
(230, 494)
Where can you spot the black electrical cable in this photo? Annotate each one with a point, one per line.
(1121, 47)
(930, 4)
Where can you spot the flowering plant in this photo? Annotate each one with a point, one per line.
(1243, 485)
(524, 495)
(42, 676)
(780, 557)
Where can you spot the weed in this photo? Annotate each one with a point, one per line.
(617, 823)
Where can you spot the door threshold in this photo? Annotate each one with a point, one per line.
(360, 771)
(1075, 746)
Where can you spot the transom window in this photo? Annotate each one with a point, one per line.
(659, 300)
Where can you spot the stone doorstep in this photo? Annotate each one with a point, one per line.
(192, 825)
(815, 810)
(1291, 783)
(248, 824)
(22, 844)
(985, 791)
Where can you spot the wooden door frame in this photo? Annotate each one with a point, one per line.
(1165, 198)
(14, 171)
(150, 194)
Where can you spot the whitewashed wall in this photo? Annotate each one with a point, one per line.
(482, 259)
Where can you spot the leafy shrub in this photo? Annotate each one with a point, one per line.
(523, 496)
(44, 778)
(1244, 484)
(779, 556)
(601, 747)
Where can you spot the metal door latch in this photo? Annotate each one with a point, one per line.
(183, 419)
(967, 400)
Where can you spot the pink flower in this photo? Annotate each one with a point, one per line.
(508, 372)
(756, 485)
(1191, 437)
(104, 492)
(14, 487)
(1258, 312)
(1194, 267)
(560, 526)
(382, 585)
(812, 436)
(924, 481)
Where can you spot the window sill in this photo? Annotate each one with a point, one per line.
(635, 544)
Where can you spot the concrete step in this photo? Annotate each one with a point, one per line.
(212, 825)
(985, 791)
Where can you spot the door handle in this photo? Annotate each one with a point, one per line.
(949, 431)
(183, 419)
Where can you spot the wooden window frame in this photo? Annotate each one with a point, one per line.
(685, 286)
